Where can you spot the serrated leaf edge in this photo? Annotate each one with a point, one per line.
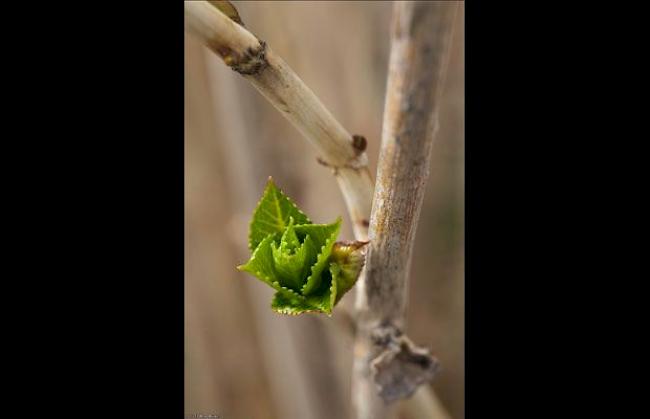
(259, 202)
(287, 292)
(295, 312)
(252, 258)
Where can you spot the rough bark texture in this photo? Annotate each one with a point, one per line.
(387, 365)
(221, 29)
(255, 61)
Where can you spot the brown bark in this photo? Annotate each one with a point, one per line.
(388, 366)
(344, 153)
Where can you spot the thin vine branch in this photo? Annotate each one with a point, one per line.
(255, 60)
(219, 26)
(385, 359)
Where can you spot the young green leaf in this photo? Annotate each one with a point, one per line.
(272, 215)
(300, 260)
(324, 236)
(293, 258)
(261, 263)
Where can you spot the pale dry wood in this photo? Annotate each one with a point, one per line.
(385, 358)
(255, 61)
(277, 82)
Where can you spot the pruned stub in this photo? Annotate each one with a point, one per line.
(401, 366)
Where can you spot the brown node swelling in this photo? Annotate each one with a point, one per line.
(253, 61)
(359, 143)
(401, 367)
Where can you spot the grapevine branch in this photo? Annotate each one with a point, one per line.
(385, 358)
(276, 81)
(218, 25)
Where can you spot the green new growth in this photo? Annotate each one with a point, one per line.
(300, 260)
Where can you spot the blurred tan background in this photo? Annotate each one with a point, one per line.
(242, 360)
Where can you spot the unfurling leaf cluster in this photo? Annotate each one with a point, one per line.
(302, 261)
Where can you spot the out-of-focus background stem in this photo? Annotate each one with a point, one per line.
(242, 360)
